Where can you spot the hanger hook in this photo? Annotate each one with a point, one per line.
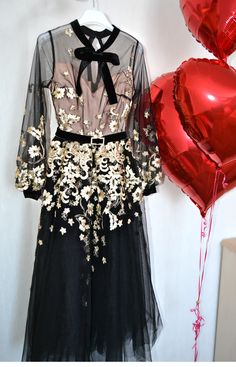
(95, 4)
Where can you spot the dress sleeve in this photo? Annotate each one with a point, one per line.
(142, 127)
(35, 129)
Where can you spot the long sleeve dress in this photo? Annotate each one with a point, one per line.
(91, 297)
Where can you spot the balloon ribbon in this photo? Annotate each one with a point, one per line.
(206, 228)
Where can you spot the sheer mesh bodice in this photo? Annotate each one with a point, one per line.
(56, 68)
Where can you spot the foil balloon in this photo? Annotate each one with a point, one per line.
(182, 160)
(205, 97)
(213, 23)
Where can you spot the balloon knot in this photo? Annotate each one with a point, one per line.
(199, 322)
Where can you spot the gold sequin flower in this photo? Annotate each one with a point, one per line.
(71, 93)
(58, 93)
(71, 221)
(47, 198)
(90, 208)
(63, 230)
(69, 32)
(136, 135)
(34, 151)
(83, 225)
(66, 211)
(137, 195)
(114, 125)
(146, 114)
(86, 192)
(101, 195)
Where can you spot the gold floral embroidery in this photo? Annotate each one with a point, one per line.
(150, 133)
(67, 120)
(86, 192)
(29, 177)
(98, 191)
(58, 93)
(61, 92)
(37, 132)
(129, 81)
(31, 172)
(97, 133)
(96, 249)
(88, 257)
(114, 120)
(34, 151)
(137, 195)
(128, 93)
(83, 225)
(81, 100)
(114, 126)
(70, 92)
(135, 135)
(129, 76)
(63, 230)
(69, 32)
(126, 110)
(71, 221)
(146, 114)
(47, 200)
(22, 141)
(101, 181)
(90, 208)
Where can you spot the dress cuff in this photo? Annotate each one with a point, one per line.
(32, 194)
(150, 190)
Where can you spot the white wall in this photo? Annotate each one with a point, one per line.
(174, 222)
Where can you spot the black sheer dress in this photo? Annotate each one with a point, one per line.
(91, 297)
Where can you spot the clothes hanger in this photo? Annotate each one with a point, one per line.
(95, 18)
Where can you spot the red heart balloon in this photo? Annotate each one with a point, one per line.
(205, 97)
(213, 23)
(182, 160)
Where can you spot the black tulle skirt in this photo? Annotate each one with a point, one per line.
(91, 297)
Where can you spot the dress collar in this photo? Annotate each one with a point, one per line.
(81, 31)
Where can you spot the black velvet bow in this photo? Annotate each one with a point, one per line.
(87, 56)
